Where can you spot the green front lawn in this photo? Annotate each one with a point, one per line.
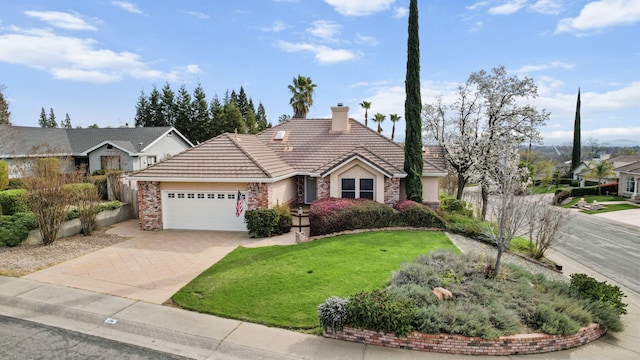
(590, 198)
(611, 207)
(283, 285)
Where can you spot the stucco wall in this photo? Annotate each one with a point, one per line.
(357, 169)
(127, 163)
(285, 191)
(165, 146)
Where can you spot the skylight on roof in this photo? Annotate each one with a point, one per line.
(279, 135)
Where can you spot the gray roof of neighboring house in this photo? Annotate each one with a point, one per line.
(308, 146)
(227, 156)
(633, 168)
(21, 140)
(617, 161)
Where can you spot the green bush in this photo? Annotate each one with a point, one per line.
(284, 219)
(416, 274)
(262, 223)
(15, 184)
(4, 175)
(553, 322)
(333, 314)
(98, 172)
(14, 229)
(451, 205)
(410, 213)
(583, 286)
(13, 201)
(584, 191)
(471, 227)
(111, 205)
(380, 310)
(332, 215)
(420, 296)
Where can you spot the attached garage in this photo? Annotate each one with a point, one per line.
(201, 210)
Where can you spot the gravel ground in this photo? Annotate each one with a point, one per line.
(25, 259)
(470, 246)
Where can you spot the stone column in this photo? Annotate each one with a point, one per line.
(391, 191)
(150, 205)
(324, 187)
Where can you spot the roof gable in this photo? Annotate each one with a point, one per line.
(363, 154)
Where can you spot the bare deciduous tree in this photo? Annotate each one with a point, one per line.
(545, 223)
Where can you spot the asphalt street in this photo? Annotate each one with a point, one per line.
(611, 249)
(20, 339)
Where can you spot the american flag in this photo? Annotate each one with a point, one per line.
(239, 201)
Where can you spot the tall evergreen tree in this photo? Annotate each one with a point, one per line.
(577, 146)
(143, 115)
(184, 113)
(5, 114)
(52, 119)
(43, 121)
(201, 123)
(218, 119)
(261, 118)
(67, 122)
(233, 119)
(413, 165)
(155, 108)
(168, 105)
(250, 121)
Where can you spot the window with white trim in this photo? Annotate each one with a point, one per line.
(630, 184)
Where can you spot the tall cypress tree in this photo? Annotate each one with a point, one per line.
(576, 153)
(412, 107)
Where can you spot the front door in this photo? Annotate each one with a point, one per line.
(310, 189)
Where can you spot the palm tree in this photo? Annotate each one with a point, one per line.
(601, 170)
(394, 119)
(301, 96)
(379, 118)
(366, 105)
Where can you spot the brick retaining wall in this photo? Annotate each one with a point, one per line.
(457, 344)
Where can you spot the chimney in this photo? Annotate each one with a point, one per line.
(340, 118)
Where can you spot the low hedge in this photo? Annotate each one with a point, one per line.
(15, 228)
(268, 222)
(13, 201)
(331, 215)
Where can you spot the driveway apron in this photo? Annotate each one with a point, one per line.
(152, 265)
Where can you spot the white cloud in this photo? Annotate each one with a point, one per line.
(367, 40)
(478, 5)
(192, 69)
(540, 67)
(324, 29)
(547, 7)
(508, 8)
(127, 6)
(400, 12)
(602, 14)
(323, 54)
(277, 26)
(631, 134)
(476, 26)
(61, 20)
(198, 14)
(73, 58)
(359, 7)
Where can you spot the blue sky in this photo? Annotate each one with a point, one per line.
(91, 59)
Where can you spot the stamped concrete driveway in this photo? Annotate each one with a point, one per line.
(152, 265)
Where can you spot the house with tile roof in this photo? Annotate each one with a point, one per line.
(124, 148)
(295, 162)
(629, 180)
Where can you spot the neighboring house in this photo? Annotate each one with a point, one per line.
(123, 148)
(295, 162)
(629, 184)
(617, 161)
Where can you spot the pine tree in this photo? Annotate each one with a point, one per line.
(143, 115)
(261, 118)
(184, 113)
(52, 123)
(43, 122)
(218, 119)
(155, 109)
(168, 105)
(413, 165)
(201, 121)
(5, 114)
(576, 153)
(67, 122)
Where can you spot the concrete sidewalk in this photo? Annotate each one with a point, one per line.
(201, 336)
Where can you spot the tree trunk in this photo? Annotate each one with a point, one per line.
(485, 201)
(496, 269)
(461, 184)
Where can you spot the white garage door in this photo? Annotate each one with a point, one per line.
(193, 210)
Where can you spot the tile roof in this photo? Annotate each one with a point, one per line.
(633, 168)
(226, 156)
(20, 140)
(308, 147)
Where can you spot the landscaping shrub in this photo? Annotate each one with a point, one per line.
(553, 322)
(111, 205)
(380, 310)
(451, 205)
(414, 214)
(13, 201)
(583, 286)
(284, 219)
(417, 274)
(583, 191)
(421, 296)
(333, 313)
(4, 175)
(15, 184)
(262, 223)
(100, 181)
(14, 229)
(331, 215)
(470, 227)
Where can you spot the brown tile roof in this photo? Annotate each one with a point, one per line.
(633, 168)
(308, 147)
(228, 156)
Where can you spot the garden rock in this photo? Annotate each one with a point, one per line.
(442, 293)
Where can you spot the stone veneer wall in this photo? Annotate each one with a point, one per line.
(457, 344)
(150, 205)
(391, 191)
(324, 187)
(259, 196)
